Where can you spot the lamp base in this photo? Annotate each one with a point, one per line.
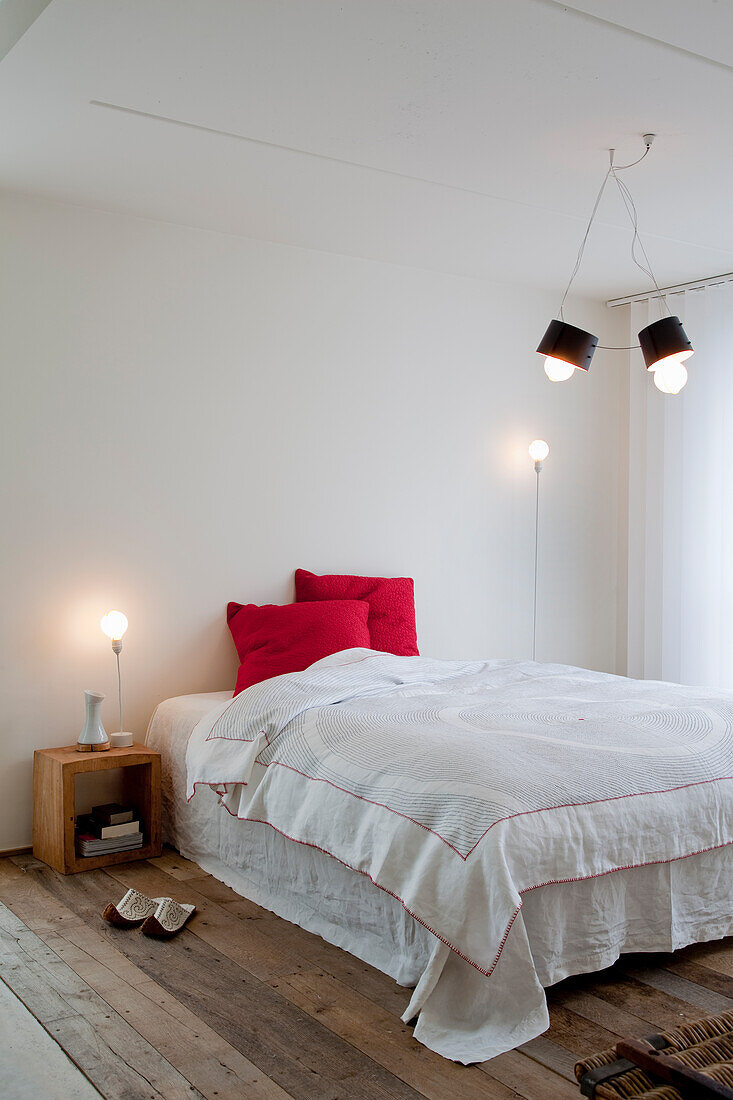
(102, 747)
(121, 740)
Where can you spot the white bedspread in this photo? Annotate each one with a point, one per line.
(459, 788)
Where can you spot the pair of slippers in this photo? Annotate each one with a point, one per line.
(155, 916)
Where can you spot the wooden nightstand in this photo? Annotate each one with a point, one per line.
(54, 774)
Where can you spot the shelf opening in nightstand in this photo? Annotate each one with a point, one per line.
(127, 785)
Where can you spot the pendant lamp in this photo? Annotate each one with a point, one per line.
(664, 343)
(665, 347)
(566, 348)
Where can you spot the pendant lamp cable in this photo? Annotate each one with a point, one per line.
(583, 243)
(623, 167)
(636, 241)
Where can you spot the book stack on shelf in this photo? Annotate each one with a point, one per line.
(109, 828)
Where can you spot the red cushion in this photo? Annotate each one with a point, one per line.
(391, 605)
(274, 639)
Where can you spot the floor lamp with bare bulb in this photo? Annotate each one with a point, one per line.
(538, 452)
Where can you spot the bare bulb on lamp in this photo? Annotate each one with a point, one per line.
(670, 375)
(557, 370)
(538, 450)
(114, 625)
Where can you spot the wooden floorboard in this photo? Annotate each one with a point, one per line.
(245, 1005)
(702, 976)
(112, 1054)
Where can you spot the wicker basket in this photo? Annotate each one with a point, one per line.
(692, 1061)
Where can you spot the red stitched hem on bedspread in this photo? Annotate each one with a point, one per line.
(526, 890)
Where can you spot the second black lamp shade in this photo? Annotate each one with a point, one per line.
(665, 339)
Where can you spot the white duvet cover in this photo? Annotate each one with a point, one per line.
(460, 788)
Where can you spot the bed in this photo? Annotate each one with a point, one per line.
(476, 830)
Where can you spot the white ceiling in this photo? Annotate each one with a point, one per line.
(466, 136)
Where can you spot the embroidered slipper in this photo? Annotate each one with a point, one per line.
(132, 910)
(169, 918)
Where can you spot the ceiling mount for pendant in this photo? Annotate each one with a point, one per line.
(664, 343)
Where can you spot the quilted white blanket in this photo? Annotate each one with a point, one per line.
(458, 787)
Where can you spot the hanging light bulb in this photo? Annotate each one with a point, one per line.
(670, 375)
(557, 370)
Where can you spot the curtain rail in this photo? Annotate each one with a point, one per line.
(698, 284)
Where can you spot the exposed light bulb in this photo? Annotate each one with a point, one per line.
(538, 450)
(114, 625)
(557, 370)
(670, 375)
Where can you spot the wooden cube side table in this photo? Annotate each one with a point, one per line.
(54, 774)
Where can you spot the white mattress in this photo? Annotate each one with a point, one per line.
(572, 928)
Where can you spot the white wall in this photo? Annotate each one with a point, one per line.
(188, 417)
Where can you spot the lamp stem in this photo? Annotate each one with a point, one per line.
(538, 468)
(119, 686)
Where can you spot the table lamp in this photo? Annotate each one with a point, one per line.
(114, 625)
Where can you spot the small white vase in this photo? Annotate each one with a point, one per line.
(94, 736)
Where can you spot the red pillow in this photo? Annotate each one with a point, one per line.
(391, 605)
(274, 639)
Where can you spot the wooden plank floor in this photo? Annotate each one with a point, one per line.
(242, 1004)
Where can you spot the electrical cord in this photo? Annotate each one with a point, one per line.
(636, 239)
(581, 250)
(628, 201)
(623, 167)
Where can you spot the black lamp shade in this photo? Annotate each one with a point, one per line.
(572, 345)
(662, 339)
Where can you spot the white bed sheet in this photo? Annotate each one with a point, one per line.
(571, 928)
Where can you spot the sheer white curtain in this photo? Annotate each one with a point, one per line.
(681, 502)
